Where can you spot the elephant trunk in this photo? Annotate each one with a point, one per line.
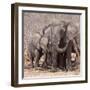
(61, 50)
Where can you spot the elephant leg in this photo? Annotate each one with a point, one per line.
(31, 61)
(68, 55)
(48, 61)
(54, 61)
(61, 61)
(44, 64)
(36, 59)
(64, 61)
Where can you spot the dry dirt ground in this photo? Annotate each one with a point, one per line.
(39, 73)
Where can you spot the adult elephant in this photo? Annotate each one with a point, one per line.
(47, 43)
(73, 39)
(55, 33)
(61, 38)
(37, 48)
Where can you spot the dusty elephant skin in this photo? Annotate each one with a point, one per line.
(70, 38)
(41, 44)
(54, 45)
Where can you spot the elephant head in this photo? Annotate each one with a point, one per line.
(71, 33)
(62, 33)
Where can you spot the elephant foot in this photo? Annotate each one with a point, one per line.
(66, 70)
(62, 68)
(36, 65)
(37, 68)
(53, 70)
(31, 66)
(69, 69)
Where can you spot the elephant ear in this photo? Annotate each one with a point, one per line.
(72, 31)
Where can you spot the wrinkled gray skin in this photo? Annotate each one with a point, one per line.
(73, 39)
(48, 42)
(37, 48)
(54, 33)
(68, 35)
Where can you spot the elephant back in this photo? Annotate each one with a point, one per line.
(35, 40)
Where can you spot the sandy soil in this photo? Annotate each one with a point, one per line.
(40, 73)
